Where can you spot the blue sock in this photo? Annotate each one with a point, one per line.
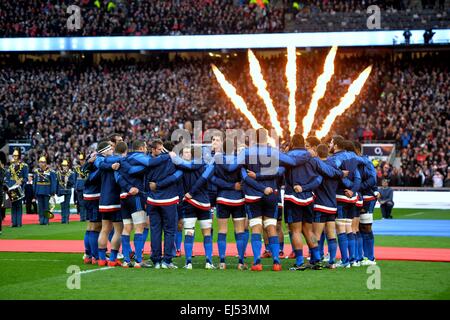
(222, 245)
(256, 247)
(371, 247)
(126, 247)
(93, 243)
(188, 245)
(281, 246)
(332, 248)
(315, 255)
(87, 247)
(138, 245)
(274, 247)
(290, 240)
(359, 246)
(240, 246)
(298, 257)
(343, 246)
(113, 256)
(102, 253)
(351, 246)
(110, 235)
(321, 244)
(178, 239)
(207, 244)
(145, 234)
(246, 238)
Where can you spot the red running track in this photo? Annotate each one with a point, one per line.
(77, 246)
(34, 219)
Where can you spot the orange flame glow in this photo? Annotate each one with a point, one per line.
(261, 86)
(346, 101)
(291, 76)
(319, 90)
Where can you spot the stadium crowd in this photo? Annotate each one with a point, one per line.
(64, 108)
(24, 18)
(107, 17)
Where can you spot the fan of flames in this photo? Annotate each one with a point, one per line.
(291, 70)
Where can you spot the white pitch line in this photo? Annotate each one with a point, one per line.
(414, 214)
(94, 270)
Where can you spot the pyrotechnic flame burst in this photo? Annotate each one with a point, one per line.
(319, 90)
(291, 76)
(345, 103)
(261, 86)
(291, 69)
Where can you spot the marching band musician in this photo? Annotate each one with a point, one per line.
(81, 176)
(3, 189)
(44, 187)
(16, 177)
(66, 181)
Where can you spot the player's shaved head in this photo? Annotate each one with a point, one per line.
(156, 143)
(322, 151)
(139, 145)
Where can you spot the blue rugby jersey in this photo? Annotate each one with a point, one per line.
(109, 188)
(195, 178)
(304, 175)
(325, 193)
(91, 189)
(345, 160)
(225, 182)
(156, 169)
(260, 159)
(368, 186)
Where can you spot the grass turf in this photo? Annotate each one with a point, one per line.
(44, 276)
(75, 231)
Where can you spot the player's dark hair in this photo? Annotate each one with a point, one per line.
(157, 142)
(357, 145)
(102, 145)
(121, 147)
(297, 141)
(113, 137)
(322, 151)
(339, 142)
(349, 146)
(168, 145)
(313, 141)
(137, 144)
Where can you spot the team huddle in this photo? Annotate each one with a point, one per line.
(325, 193)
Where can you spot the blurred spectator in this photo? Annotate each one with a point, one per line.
(386, 200)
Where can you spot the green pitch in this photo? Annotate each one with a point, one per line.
(44, 275)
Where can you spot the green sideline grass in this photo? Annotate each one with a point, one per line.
(44, 276)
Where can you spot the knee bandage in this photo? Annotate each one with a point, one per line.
(189, 223)
(366, 218)
(348, 222)
(270, 222)
(127, 221)
(139, 217)
(341, 222)
(205, 224)
(254, 222)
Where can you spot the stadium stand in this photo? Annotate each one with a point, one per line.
(63, 107)
(24, 18)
